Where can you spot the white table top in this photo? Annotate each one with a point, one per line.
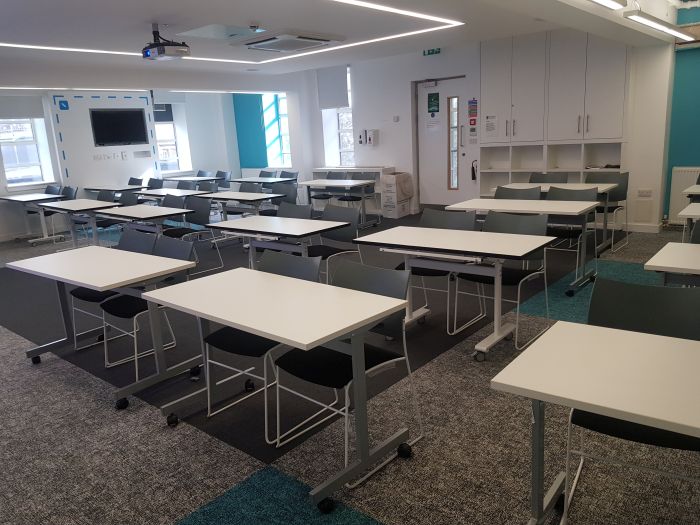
(100, 268)
(278, 226)
(295, 312)
(525, 206)
(193, 179)
(143, 212)
(676, 257)
(162, 192)
(79, 205)
(691, 211)
(333, 183)
(600, 186)
(116, 187)
(240, 196)
(263, 180)
(457, 242)
(642, 378)
(692, 190)
(31, 197)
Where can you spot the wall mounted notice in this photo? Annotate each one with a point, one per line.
(491, 127)
(433, 103)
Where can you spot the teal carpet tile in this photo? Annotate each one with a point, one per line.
(575, 309)
(271, 497)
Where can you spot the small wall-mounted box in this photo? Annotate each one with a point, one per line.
(368, 137)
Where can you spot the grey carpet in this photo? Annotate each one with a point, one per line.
(473, 465)
(67, 457)
(643, 246)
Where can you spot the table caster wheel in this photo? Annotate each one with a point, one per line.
(404, 451)
(326, 505)
(121, 404)
(172, 420)
(249, 385)
(421, 320)
(36, 359)
(479, 356)
(195, 372)
(569, 293)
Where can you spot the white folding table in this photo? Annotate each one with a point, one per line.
(162, 192)
(117, 188)
(347, 185)
(352, 314)
(87, 207)
(187, 178)
(30, 201)
(692, 191)
(267, 232)
(101, 269)
(253, 199)
(679, 263)
(264, 180)
(691, 214)
(451, 250)
(646, 379)
(579, 209)
(145, 213)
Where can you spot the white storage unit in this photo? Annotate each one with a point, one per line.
(682, 177)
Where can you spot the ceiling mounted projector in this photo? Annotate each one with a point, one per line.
(163, 49)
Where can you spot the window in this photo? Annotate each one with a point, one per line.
(21, 151)
(339, 137)
(166, 142)
(276, 122)
(454, 139)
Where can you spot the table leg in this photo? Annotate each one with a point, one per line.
(605, 243)
(93, 225)
(412, 315)
(251, 253)
(582, 278)
(500, 331)
(44, 229)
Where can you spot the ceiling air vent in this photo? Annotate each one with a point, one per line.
(285, 42)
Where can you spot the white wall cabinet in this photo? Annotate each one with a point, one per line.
(496, 57)
(528, 74)
(606, 73)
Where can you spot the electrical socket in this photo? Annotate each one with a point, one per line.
(644, 194)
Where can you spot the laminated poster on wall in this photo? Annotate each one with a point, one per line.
(433, 120)
(491, 125)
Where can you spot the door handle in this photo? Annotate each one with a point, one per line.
(513, 128)
(588, 123)
(461, 136)
(578, 128)
(506, 128)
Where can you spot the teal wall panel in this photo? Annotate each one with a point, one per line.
(250, 130)
(688, 16)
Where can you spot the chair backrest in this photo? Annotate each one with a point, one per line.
(203, 173)
(497, 222)
(105, 195)
(525, 194)
(69, 192)
(694, 235)
(289, 174)
(294, 211)
(266, 174)
(53, 189)
(364, 176)
(133, 181)
(173, 201)
(155, 184)
(202, 209)
(225, 174)
(337, 175)
(210, 186)
(621, 179)
(548, 178)
(660, 310)
(342, 214)
(288, 189)
(173, 248)
(556, 193)
(371, 279)
(289, 265)
(128, 198)
(136, 241)
(186, 185)
(250, 187)
(449, 220)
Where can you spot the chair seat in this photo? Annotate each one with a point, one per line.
(564, 233)
(349, 198)
(108, 223)
(178, 233)
(611, 208)
(125, 306)
(239, 342)
(424, 272)
(325, 367)
(323, 251)
(268, 212)
(91, 296)
(322, 196)
(509, 277)
(634, 432)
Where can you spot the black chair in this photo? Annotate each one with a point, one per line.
(513, 274)
(208, 186)
(155, 184)
(186, 185)
(617, 202)
(242, 208)
(328, 193)
(626, 306)
(131, 307)
(289, 192)
(247, 345)
(53, 189)
(84, 221)
(363, 193)
(342, 237)
(200, 218)
(225, 182)
(284, 174)
(69, 193)
(294, 211)
(695, 234)
(133, 181)
(548, 178)
(328, 368)
(265, 174)
(524, 194)
(203, 173)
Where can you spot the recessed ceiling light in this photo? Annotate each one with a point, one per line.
(221, 92)
(71, 49)
(656, 23)
(34, 88)
(612, 4)
(413, 14)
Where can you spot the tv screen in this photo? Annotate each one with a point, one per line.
(118, 127)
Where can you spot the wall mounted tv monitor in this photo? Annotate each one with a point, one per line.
(119, 127)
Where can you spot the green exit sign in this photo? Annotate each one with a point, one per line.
(430, 52)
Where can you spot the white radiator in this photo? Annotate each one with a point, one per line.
(681, 178)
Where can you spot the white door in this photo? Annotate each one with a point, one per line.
(444, 162)
(528, 87)
(605, 88)
(495, 90)
(567, 85)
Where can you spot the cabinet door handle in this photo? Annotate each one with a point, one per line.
(578, 128)
(506, 128)
(588, 123)
(513, 128)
